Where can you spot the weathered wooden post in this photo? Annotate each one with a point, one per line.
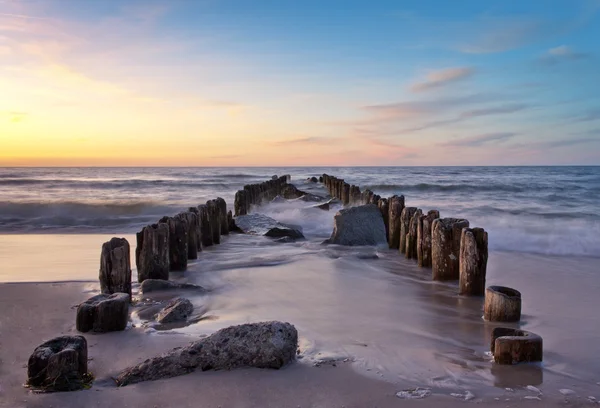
(115, 267)
(222, 205)
(103, 313)
(424, 238)
(502, 304)
(152, 252)
(346, 194)
(178, 241)
(411, 236)
(405, 217)
(193, 233)
(198, 228)
(445, 247)
(384, 207)
(396, 204)
(513, 346)
(355, 194)
(473, 261)
(214, 217)
(205, 226)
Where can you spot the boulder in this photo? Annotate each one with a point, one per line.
(59, 364)
(152, 252)
(115, 267)
(259, 224)
(290, 192)
(362, 225)
(313, 180)
(178, 241)
(103, 313)
(156, 285)
(176, 310)
(259, 345)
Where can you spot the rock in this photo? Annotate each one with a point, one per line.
(396, 204)
(320, 179)
(512, 346)
(473, 261)
(59, 364)
(214, 218)
(290, 192)
(259, 345)
(445, 247)
(152, 252)
(178, 241)
(156, 285)
(424, 238)
(103, 313)
(411, 236)
(259, 224)
(115, 266)
(176, 310)
(222, 205)
(240, 203)
(405, 217)
(194, 233)
(324, 206)
(206, 227)
(313, 180)
(362, 225)
(502, 304)
(231, 223)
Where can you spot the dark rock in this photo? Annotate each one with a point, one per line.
(320, 179)
(324, 206)
(445, 247)
(152, 252)
(473, 261)
(502, 304)
(176, 310)
(513, 346)
(178, 241)
(260, 345)
(205, 226)
(313, 180)
(59, 364)
(231, 223)
(115, 266)
(259, 224)
(424, 238)
(103, 313)
(290, 192)
(157, 285)
(362, 225)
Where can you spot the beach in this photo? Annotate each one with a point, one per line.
(370, 322)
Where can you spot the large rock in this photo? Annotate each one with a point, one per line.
(59, 364)
(178, 241)
(176, 310)
(259, 224)
(115, 266)
(157, 285)
(260, 345)
(103, 313)
(152, 252)
(362, 225)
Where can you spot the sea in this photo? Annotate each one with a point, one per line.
(369, 306)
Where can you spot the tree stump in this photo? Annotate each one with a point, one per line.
(473, 261)
(178, 241)
(240, 203)
(502, 304)
(222, 205)
(115, 266)
(405, 217)
(512, 346)
(411, 236)
(103, 313)
(152, 252)
(445, 247)
(59, 364)
(396, 204)
(214, 217)
(424, 238)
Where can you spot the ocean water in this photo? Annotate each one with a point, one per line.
(547, 210)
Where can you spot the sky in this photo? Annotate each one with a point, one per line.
(306, 83)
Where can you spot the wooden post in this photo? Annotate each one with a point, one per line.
(473, 261)
(411, 236)
(346, 194)
(178, 241)
(396, 204)
(445, 247)
(152, 252)
(502, 304)
(384, 207)
(115, 267)
(513, 346)
(214, 217)
(405, 217)
(205, 225)
(424, 238)
(222, 205)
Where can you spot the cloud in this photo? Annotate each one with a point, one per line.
(589, 116)
(510, 108)
(569, 142)
(302, 140)
(494, 35)
(474, 141)
(560, 54)
(440, 78)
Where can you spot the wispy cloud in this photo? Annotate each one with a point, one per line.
(589, 116)
(560, 54)
(495, 35)
(440, 78)
(302, 141)
(496, 110)
(479, 140)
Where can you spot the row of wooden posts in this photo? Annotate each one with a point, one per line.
(256, 194)
(447, 245)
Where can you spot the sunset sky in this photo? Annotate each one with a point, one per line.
(278, 82)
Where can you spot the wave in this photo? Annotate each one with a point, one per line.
(470, 187)
(114, 184)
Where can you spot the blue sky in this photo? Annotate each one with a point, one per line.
(300, 82)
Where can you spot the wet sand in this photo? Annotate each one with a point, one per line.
(33, 312)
